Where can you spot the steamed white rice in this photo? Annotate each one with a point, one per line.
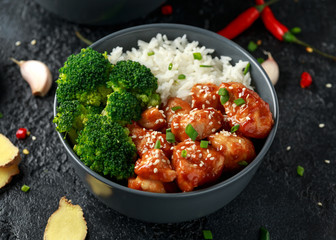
(179, 53)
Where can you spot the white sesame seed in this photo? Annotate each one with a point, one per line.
(319, 203)
(207, 102)
(156, 161)
(214, 97)
(321, 125)
(155, 170)
(33, 138)
(213, 130)
(288, 148)
(18, 43)
(327, 161)
(328, 85)
(200, 155)
(33, 42)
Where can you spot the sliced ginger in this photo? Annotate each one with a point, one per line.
(67, 222)
(9, 160)
(9, 154)
(7, 173)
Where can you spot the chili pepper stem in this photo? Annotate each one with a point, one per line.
(297, 41)
(261, 7)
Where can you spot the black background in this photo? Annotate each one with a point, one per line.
(276, 198)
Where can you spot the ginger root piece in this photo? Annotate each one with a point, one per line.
(9, 154)
(7, 173)
(67, 222)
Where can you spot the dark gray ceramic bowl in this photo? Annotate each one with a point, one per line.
(100, 12)
(177, 207)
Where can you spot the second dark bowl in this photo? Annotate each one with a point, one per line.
(177, 207)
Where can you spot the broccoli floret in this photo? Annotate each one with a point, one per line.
(105, 147)
(123, 107)
(71, 117)
(83, 77)
(135, 78)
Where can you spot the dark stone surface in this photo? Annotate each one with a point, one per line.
(276, 198)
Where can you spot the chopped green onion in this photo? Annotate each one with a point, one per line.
(300, 170)
(181, 76)
(246, 69)
(176, 108)
(170, 137)
(150, 53)
(157, 144)
(264, 234)
(204, 144)
(170, 66)
(207, 234)
(243, 163)
(25, 188)
(295, 30)
(191, 132)
(168, 130)
(239, 101)
(235, 128)
(184, 153)
(1, 115)
(197, 56)
(206, 66)
(224, 99)
(260, 60)
(223, 92)
(252, 46)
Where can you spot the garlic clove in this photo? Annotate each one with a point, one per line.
(37, 75)
(271, 67)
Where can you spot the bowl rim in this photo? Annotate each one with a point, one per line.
(212, 188)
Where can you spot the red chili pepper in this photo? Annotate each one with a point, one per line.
(306, 80)
(243, 21)
(281, 32)
(21, 133)
(167, 9)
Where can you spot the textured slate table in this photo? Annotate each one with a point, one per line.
(277, 198)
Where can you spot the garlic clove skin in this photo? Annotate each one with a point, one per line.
(37, 75)
(271, 68)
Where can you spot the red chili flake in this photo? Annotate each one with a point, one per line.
(167, 9)
(21, 133)
(306, 80)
